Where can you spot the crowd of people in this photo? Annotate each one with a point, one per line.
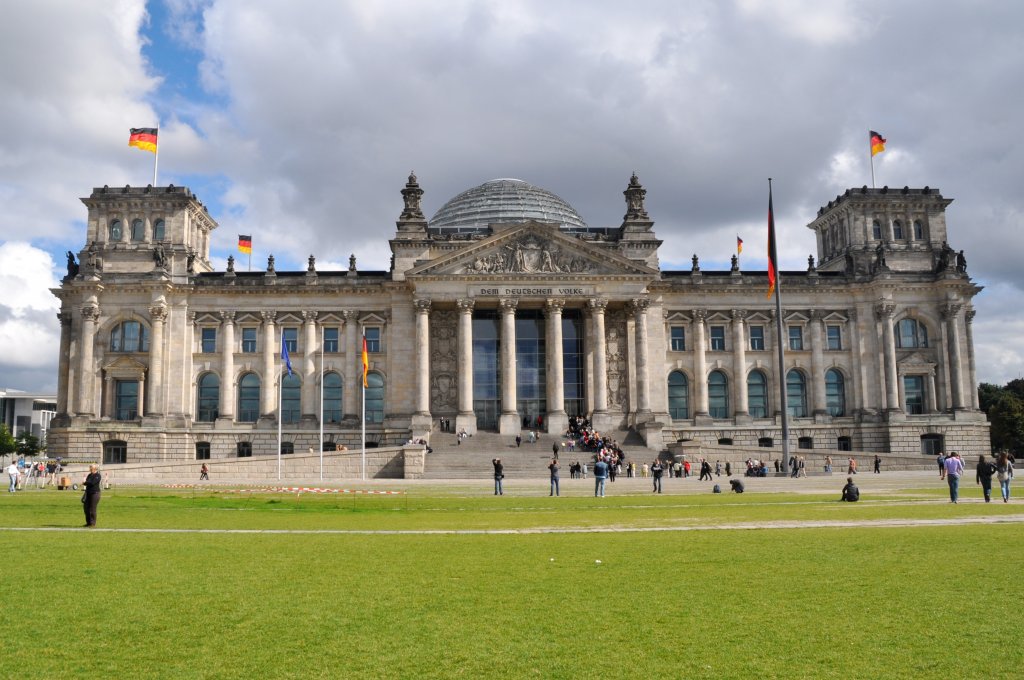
(24, 473)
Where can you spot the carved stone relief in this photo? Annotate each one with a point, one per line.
(530, 254)
(444, 369)
(616, 342)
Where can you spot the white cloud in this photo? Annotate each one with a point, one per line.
(29, 332)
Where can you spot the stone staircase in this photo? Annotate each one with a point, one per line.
(472, 458)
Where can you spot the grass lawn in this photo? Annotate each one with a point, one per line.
(863, 602)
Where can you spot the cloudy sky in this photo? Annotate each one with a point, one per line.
(299, 123)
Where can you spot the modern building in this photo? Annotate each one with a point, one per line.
(25, 412)
(507, 310)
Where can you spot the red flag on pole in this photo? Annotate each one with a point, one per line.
(772, 256)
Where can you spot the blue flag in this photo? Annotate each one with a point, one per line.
(284, 353)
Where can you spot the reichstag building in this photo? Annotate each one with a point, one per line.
(507, 310)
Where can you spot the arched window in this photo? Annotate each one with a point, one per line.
(757, 394)
(374, 398)
(249, 398)
(116, 230)
(291, 399)
(918, 230)
(209, 398)
(911, 334)
(796, 394)
(678, 396)
(897, 230)
(158, 230)
(115, 451)
(332, 398)
(138, 230)
(876, 230)
(835, 393)
(129, 336)
(718, 395)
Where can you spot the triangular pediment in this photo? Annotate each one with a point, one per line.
(916, 360)
(531, 249)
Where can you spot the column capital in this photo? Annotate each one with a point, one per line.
(64, 318)
(465, 305)
(596, 305)
(815, 314)
(554, 306)
(269, 317)
(699, 315)
(508, 305)
(90, 312)
(192, 318)
(310, 315)
(639, 306)
(159, 313)
(228, 318)
(350, 315)
(950, 310)
(969, 316)
(738, 315)
(422, 305)
(885, 310)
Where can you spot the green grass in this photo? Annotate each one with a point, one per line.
(866, 602)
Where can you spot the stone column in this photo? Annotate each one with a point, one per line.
(557, 420)
(597, 307)
(739, 355)
(509, 422)
(886, 312)
(87, 372)
(951, 313)
(643, 387)
(353, 371)
(817, 382)
(422, 357)
(63, 363)
(310, 346)
(158, 314)
(226, 407)
(466, 418)
(972, 368)
(932, 404)
(700, 363)
(268, 396)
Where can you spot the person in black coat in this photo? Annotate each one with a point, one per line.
(91, 497)
(851, 493)
(983, 476)
(499, 475)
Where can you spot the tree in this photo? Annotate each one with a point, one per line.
(1004, 407)
(27, 444)
(7, 443)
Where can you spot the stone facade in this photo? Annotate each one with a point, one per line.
(164, 359)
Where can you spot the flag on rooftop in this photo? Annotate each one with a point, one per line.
(143, 138)
(877, 143)
(739, 244)
(245, 243)
(773, 260)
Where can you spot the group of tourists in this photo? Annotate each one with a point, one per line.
(24, 473)
(951, 469)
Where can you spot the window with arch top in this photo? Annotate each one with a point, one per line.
(911, 334)
(757, 394)
(796, 394)
(116, 230)
(129, 336)
(835, 393)
(159, 230)
(718, 395)
(208, 398)
(138, 230)
(291, 399)
(332, 398)
(678, 396)
(374, 397)
(249, 398)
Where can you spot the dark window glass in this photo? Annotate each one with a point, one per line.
(844, 444)
(897, 230)
(910, 334)
(796, 338)
(287, 448)
(244, 449)
(678, 396)
(932, 444)
(876, 230)
(757, 394)
(249, 340)
(291, 339)
(202, 450)
(918, 230)
(115, 452)
(331, 340)
(209, 343)
(486, 369)
(249, 398)
(332, 398)
(718, 395)
(375, 398)
(678, 338)
(913, 388)
(757, 338)
(796, 394)
(291, 400)
(718, 338)
(158, 230)
(129, 336)
(766, 442)
(531, 360)
(138, 230)
(372, 340)
(835, 393)
(209, 398)
(573, 363)
(116, 230)
(834, 337)
(805, 443)
(126, 399)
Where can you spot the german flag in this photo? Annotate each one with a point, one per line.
(739, 245)
(773, 259)
(143, 138)
(366, 363)
(245, 244)
(877, 142)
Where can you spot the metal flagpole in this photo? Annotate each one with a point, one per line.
(321, 402)
(280, 392)
(779, 341)
(363, 382)
(871, 157)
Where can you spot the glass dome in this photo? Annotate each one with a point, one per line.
(502, 201)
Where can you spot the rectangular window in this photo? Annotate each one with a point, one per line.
(331, 340)
(678, 336)
(796, 337)
(209, 343)
(913, 388)
(202, 450)
(718, 338)
(835, 337)
(372, 340)
(249, 340)
(126, 399)
(757, 338)
(291, 339)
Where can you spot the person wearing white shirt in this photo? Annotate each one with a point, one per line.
(13, 471)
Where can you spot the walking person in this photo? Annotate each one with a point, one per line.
(657, 470)
(954, 469)
(1004, 473)
(13, 471)
(828, 464)
(878, 465)
(554, 450)
(553, 467)
(499, 474)
(91, 496)
(600, 473)
(204, 472)
(983, 475)
(941, 460)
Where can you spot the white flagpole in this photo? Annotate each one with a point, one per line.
(280, 396)
(321, 402)
(156, 154)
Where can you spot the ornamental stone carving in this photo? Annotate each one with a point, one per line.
(422, 305)
(639, 306)
(465, 304)
(444, 356)
(159, 313)
(269, 317)
(553, 306)
(635, 194)
(530, 254)
(616, 350)
(951, 309)
(411, 195)
(508, 305)
(310, 315)
(227, 317)
(596, 305)
(90, 312)
(885, 310)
